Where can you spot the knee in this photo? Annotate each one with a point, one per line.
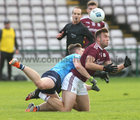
(41, 86)
(45, 83)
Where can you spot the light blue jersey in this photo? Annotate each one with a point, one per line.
(65, 65)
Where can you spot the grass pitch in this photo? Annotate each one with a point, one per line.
(118, 100)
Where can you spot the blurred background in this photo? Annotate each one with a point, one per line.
(37, 22)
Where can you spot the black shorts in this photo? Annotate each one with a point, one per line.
(57, 80)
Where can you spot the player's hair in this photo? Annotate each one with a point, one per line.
(103, 30)
(73, 47)
(76, 8)
(92, 3)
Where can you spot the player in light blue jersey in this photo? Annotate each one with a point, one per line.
(50, 81)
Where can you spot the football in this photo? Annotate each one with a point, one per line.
(97, 15)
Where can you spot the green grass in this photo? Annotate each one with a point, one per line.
(118, 100)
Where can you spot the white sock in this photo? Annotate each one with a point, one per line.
(44, 96)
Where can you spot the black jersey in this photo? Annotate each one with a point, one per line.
(75, 34)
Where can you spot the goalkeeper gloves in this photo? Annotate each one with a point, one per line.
(127, 62)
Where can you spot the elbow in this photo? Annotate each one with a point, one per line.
(87, 66)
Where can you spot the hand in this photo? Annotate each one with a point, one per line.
(127, 62)
(94, 82)
(110, 68)
(91, 79)
(104, 76)
(60, 35)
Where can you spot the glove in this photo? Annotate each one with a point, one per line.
(91, 79)
(104, 76)
(94, 82)
(127, 62)
(110, 68)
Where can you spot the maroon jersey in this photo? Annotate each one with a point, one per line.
(100, 55)
(92, 27)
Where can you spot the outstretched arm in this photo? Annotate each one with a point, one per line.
(127, 63)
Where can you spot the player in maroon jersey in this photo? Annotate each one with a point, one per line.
(94, 58)
(93, 27)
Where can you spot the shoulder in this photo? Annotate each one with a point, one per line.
(85, 20)
(67, 25)
(75, 56)
(81, 24)
(92, 49)
(12, 29)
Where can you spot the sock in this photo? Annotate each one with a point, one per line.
(22, 66)
(43, 96)
(38, 108)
